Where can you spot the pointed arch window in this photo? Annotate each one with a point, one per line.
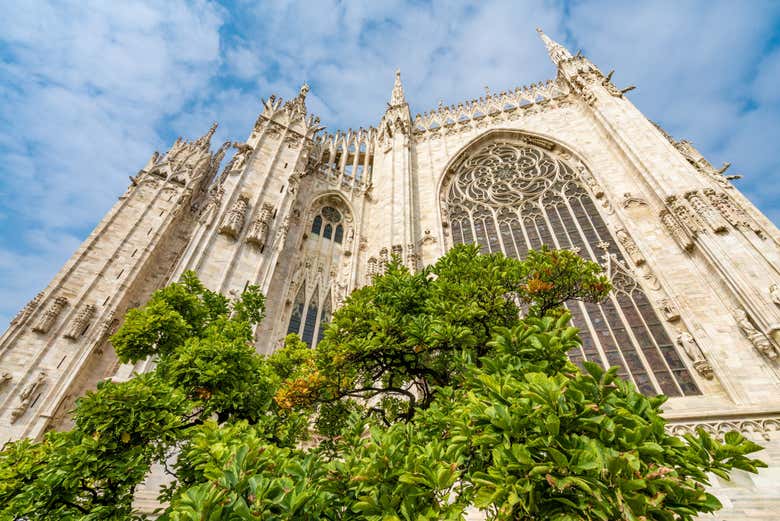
(316, 225)
(297, 311)
(311, 309)
(324, 318)
(512, 197)
(311, 318)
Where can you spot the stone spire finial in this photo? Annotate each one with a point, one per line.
(205, 140)
(557, 52)
(397, 97)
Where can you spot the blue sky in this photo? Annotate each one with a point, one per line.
(88, 90)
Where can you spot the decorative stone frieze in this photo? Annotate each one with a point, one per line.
(762, 426)
(27, 310)
(760, 342)
(258, 230)
(49, 317)
(706, 212)
(81, 322)
(676, 230)
(27, 395)
(233, 222)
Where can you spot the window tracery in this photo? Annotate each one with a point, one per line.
(510, 197)
(323, 251)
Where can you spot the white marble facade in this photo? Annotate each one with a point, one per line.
(695, 264)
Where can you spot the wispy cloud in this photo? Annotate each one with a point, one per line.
(90, 89)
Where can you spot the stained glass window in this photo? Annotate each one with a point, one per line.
(512, 197)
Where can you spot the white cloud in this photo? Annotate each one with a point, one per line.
(86, 86)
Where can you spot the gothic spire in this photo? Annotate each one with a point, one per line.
(397, 98)
(297, 105)
(557, 52)
(205, 140)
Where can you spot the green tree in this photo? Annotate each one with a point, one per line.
(205, 367)
(430, 393)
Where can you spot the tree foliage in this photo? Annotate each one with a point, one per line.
(430, 393)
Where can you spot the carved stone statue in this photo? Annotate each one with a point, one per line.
(212, 206)
(26, 396)
(756, 337)
(281, 235)
(670, 311)
(243, 150)
(688, 344)
(774, 293)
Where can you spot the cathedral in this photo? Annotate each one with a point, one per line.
(310, 215)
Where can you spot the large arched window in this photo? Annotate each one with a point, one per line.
(511, 197)
(321, 252)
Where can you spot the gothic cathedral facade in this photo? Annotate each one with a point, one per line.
(309, 216)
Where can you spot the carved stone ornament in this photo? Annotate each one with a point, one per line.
(685, 216)
(258, 230)
(371, 269)
(5, 377)
(630, 246)
(707, 213)
(428, 238)
(27, 310)
(411, 258)
(281, 235)
(587, 177)
(688, 344)
(108, 326)
(233, 222)
(732, 212)
(26, 396)
(760, 342)
(212, 206)
(631, 201)
(669, 309)
(50, 315)
(81, 322)
(243, 150)
(774, 293)
(676, 230)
